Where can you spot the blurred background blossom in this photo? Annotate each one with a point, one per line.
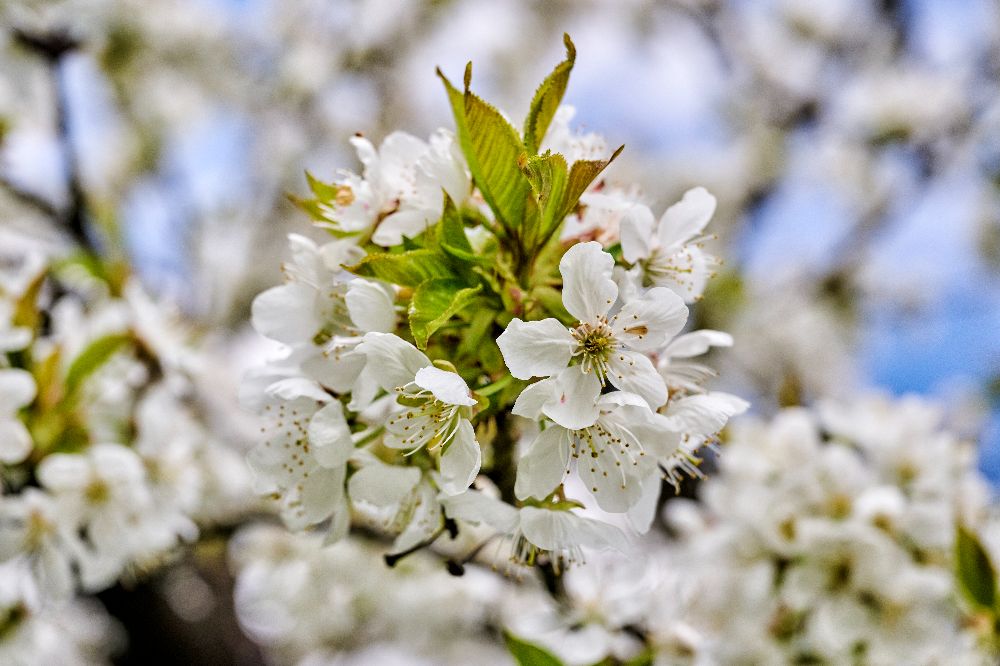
(852, 145)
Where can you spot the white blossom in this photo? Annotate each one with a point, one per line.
(610, 348)
(668, 253)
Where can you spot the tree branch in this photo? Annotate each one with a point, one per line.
(53, 47)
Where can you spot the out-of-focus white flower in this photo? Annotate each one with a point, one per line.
(283, 578)
(103, 493)
(831, 547)
(33, 529)
(78, 632)
(17, 389)
(668, 253)
(610, 350)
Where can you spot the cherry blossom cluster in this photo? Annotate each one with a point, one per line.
(832, 537)
(491, 334)
(106, 463)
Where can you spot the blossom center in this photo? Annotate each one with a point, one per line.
(426, 421)
(595, 342)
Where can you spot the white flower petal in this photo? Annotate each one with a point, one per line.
(461, 460)
(410, 222)
(697, 343)
(340, 522)
(339, 253)
(322, 492)
(337, 367)
(291, 388)
(446, 386)
(425, 522)
(15, 442)
(633, 372)
(476, 507)
(544, 465)
(690, 270)
(687, 218)
(573, 404)
(532, 399)
(286, 313)
(392, 361)
(704, 414)
(559, 530)
(637, 233)
(535, 348)
(370, 306)
(366, 152)
(330, 436)
(649, 322)
(14, 338)
(613, 485)
(17, 389)
(642, 513)
(382, 486)
(588, 290)
(63, 471)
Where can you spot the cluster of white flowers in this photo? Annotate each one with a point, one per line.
(410, 340)
(306, 603)
(107, 464)
(827, 536)
(830, 536)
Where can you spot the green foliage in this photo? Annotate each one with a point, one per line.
(581, 175)
(325, 199)
(435, 302)
(527, 654)
(974, 571)
(547, 174)
(407, 269)
(547, 99)
(530, 195)
(94, 355)
(492, 149)
(450, 232)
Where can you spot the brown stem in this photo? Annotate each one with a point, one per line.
(53, 47)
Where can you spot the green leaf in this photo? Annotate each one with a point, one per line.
(527, 654)
(94, 355)
(547, 99)
(581, 175)
(322, 191)
(435, 302)
(548, 177)
(492, 149)
(450, 232)
(975, 573)
(408, 269)
(550, 298)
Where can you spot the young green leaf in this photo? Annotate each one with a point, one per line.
(408, 269)
(581, 175)
(450, 233)
(547, 99)
(434, 302)
(974, 570)
(527, 654)
(491, 148)
(93, 356)
(548, 177)
(323, 191)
